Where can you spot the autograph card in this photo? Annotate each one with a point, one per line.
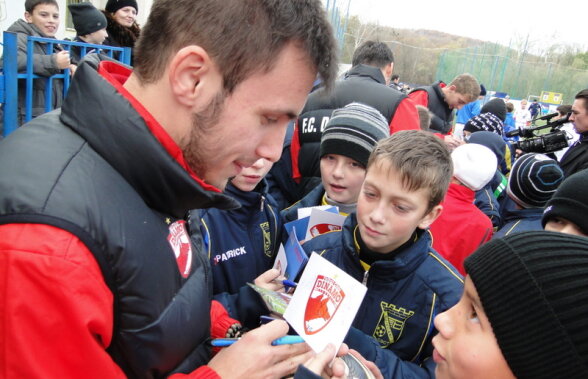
(321, 222)
(324, 304)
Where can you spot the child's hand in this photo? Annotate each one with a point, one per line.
(270, 280)
(62, 59)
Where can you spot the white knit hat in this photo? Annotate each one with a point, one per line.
(474, 165)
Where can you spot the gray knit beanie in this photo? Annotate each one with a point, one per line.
(532, 286)
(353, 131)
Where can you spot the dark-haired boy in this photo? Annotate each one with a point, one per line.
(41, 19)
(386, 245)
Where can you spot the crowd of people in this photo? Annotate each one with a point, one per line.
(133, 217)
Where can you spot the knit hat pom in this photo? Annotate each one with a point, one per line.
(534, 178)
(474, 165)
(353, 131)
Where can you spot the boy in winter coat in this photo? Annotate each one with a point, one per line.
(41, 19)
(495, 331)
(566, 211)
(346, 143)
(462, 227)
(386, 245)
(534, 178)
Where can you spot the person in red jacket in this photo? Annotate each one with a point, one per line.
(462, 227)
(99, 276)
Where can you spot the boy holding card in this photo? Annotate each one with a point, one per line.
(346, 143)
(387, 246)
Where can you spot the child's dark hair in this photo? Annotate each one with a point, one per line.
(420, 158)
(31, 4)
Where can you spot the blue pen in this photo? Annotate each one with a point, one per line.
(286, 340)
(286, 283)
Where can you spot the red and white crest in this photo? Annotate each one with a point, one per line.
(179, 240)
(323, 302)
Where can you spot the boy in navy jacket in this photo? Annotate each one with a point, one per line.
(387, 246)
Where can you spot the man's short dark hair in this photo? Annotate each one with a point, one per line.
(241, 36)
(583, 94)
(372, 53)
(395, 76)
(31, 4)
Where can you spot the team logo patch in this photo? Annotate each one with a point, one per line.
(319, 229)
(391, 324)
(325, 298)
(267, 239)
(179, 240)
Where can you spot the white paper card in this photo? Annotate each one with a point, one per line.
(324, 304)
(321, 222)
(305, 212)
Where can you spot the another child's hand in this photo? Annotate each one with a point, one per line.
(270, 280)
(62, 59)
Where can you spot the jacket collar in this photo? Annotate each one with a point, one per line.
(365, 71)
(123, 133)
(407, 259)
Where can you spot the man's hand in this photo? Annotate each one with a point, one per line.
(253, 356)
(370, 365)
(62, 59)
(452, 142)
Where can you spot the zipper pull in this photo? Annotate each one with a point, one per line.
(366, 274)
(262, 202)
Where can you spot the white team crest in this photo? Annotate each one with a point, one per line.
(179, 240)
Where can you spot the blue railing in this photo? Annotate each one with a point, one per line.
(10, 75)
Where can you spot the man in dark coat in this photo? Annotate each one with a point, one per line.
(576, 158)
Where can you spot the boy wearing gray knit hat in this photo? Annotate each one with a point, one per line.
(522, 313)
(347, 140)
(90, 25)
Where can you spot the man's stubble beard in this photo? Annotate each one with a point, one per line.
(197, 151)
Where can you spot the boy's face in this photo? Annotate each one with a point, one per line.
(250, 176)
(562, 225)
(465, 346)
(387, 212)
(97, 37)
(342, 178)
(45, 17)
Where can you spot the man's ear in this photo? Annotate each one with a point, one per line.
(428, 219)
(28, 17)
(193, 77)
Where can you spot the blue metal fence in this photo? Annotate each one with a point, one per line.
(10, 75)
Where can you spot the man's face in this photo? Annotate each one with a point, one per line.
(524, 104)
(97, 37)
(342, 178)
(465, 346)
(45, 17)
(387, 212)
(250, 177)
(250, 123)
(579, 116)
(454, 99)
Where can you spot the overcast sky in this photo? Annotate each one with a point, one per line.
(489, 20)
